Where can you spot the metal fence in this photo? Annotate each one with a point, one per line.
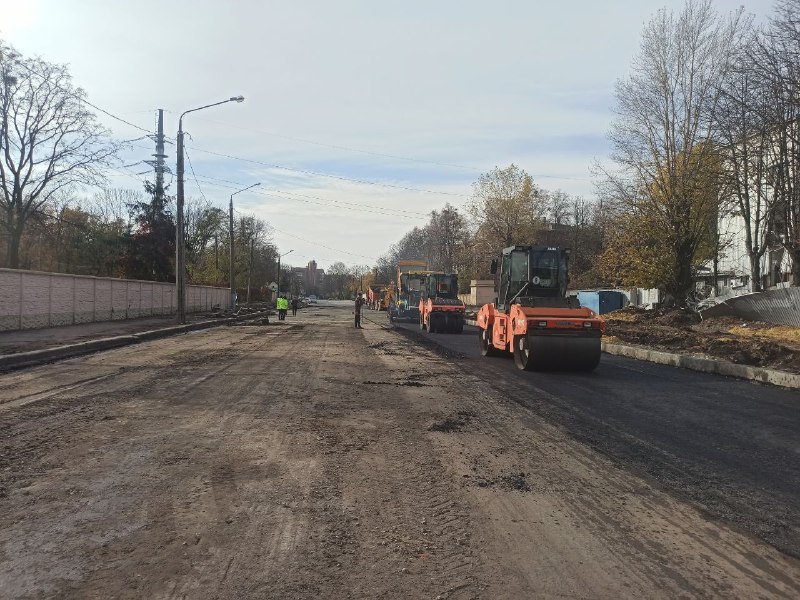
(780, 306)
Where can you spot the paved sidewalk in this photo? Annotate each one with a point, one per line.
(25, 348)
(27, 340)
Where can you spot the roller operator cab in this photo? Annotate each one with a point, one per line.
(440, 310)
(534, 319)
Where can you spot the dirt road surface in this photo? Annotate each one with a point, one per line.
(313, 460)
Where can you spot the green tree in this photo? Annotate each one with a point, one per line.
(151, 246)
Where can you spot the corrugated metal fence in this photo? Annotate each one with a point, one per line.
(781, 306)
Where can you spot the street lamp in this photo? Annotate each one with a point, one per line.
(279, 268)
(230, 274)
(180, 255)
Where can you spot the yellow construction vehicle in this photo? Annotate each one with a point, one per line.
(405, 297)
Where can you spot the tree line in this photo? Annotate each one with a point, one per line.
(707, 126)
(52, 149)
(506, 208)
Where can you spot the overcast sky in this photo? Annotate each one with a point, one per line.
(360, 116)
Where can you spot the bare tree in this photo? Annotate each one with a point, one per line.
(779, 60)
(559, 205)
(48, 140)
(665, 127)
(445, 235)
(746, 135)
(112, 205)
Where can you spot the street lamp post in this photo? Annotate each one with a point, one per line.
(180, 255)
(279, 268)
(230, 224)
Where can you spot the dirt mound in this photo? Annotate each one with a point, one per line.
(750, 343)
(677, 318)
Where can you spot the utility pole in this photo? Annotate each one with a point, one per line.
(158, 158)
(231, 280)
(180, 259)
(279, 268)
(180, 240)
(230, 225)
(250, 268)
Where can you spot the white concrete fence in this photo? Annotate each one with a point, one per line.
(31, 299)
(481, 292)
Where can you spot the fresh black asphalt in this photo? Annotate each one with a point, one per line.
(731, 447)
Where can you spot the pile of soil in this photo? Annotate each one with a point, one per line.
(751, 343)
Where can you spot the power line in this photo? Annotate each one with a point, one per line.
(359, 205)
(341, 204)
(80, 98)
(113, 116)
(297, 237)
(191, 168)
(356, 207)
(339, 177)
(339, 147)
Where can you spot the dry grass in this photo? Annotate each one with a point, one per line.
(779, 333)
(618, 315)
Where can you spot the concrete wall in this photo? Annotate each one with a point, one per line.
(481, 292)
(30, 299)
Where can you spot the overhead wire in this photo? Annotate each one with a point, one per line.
(81, 98)
(297, 237)
(340, 147)
(191, 168)
(400, 212)
(329, 175)
(356, 207)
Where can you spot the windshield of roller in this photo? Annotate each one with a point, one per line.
(443, 286)
(548, 273)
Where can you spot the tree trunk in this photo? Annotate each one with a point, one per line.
(14, 241)
(795, 254)
(755, 272)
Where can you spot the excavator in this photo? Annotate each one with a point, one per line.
(440, 309)
(534, 318)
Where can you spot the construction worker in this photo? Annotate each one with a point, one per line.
(282, 305)
(357, 310)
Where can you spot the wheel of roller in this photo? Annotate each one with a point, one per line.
(487, 349)
(522, 353)
(556, 352)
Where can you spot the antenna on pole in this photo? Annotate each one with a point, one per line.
(158, 163)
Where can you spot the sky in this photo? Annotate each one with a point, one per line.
(360, 117)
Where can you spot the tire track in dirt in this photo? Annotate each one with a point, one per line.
(584, 508)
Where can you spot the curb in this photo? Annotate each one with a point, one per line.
(33, 358)
(706, 365)
(699, 363)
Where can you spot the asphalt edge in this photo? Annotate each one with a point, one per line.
(700, 363)
(21, 360)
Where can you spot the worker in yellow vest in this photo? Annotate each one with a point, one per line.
(283, 306)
